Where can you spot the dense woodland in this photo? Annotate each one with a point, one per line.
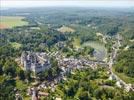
(86, 22)
(125, 62)
(90, 84)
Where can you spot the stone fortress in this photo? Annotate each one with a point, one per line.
(35, 62)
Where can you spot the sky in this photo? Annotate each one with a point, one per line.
(65, 3)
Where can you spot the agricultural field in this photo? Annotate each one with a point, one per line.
(65, 29)
(11, 21)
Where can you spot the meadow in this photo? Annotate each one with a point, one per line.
(100, 50)
(11, 21)
(65, 29)
(76, 43)
(16, 45)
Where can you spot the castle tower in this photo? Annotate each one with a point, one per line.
(23, 58)
(35, 62)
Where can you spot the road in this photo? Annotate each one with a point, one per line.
(111, 62)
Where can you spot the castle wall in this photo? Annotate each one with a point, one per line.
(34, 62)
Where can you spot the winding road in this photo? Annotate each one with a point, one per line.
(111, 62)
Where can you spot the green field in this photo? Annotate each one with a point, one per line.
(65, 29)
(16, 45)
(76, 43)
(21, 85)
(12, 21)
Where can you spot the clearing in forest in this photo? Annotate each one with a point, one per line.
(16, 45)
(65, 29)
(76, 43)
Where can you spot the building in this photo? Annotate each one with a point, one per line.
(112, 77)
(36, 62)
(118, 83)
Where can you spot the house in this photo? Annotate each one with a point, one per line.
(128, 87)
(118, 83)
(112, 77)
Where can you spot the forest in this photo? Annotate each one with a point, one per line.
(90, 84)
(125, 63)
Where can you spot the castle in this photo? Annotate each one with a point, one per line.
(35, 62)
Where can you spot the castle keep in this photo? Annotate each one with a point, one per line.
(36, 62)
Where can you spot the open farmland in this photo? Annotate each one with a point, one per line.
(11, 21)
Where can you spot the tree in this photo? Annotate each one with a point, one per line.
(71, 91)
(1, 70)
(21, 74)
(110, 82)
(98, 93)
(9, 70)
(7, 90)
(28, 75)
(125, 63)
(84, 96)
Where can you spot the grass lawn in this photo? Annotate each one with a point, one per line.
(11, 21)
(21, 85)
(16, 45)
(124, 77)
(1, 79)
(76, 43)
(27, 98)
